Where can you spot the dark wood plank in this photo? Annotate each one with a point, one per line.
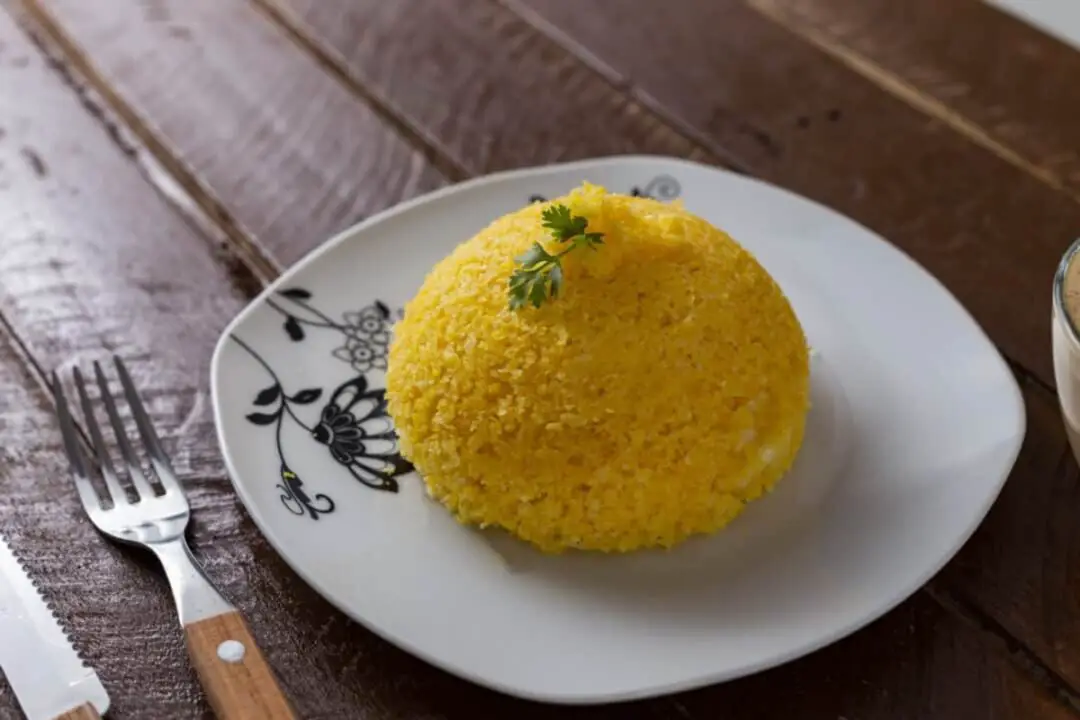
(381, 46)
(116, 608)
(947, 201)
(260, 136)
(330, 665)
(477, 81)
(913, 664)
(290, 171)
(794, 115)
(993, 77)
(75, 290)
(932, 189)
(1022, 566)
(918, 662)
(90, 268)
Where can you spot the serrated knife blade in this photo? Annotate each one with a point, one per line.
(48, 676)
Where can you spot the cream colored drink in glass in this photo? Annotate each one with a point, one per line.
(1066, 338)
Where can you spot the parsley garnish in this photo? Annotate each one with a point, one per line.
(540, 275)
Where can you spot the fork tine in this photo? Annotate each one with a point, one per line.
(158, 458)
(87, 493)
(112, 483)
(135, 471)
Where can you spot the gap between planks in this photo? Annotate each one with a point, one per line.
(908, 94)
(170, 176)
(383, 108)
(247, 263)
(454, 170)
(1027, 661)
(621, 84)
(198, 206)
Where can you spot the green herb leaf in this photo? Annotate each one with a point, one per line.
(538, 291)
(519, 291)
(534, 256)
(556, 279)
(539, 274)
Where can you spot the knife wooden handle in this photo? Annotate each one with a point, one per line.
(85, 711)
(233, 672)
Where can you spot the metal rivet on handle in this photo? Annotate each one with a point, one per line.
(231, 651)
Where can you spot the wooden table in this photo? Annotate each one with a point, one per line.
(160, 160)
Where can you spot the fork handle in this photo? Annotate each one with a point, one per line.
(85, 711)
(233, 672)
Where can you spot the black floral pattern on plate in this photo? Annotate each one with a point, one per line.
(356, 428)
(354, 424)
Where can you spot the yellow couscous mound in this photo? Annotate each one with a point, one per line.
(663, 389)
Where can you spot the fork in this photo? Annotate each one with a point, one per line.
(232, 670)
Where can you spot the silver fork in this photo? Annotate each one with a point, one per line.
(236, 677)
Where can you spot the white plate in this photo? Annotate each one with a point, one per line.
(1060, 18)
(916, 423)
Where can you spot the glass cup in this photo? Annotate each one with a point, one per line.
(1066, 320)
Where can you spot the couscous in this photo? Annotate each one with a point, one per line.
(665, 387)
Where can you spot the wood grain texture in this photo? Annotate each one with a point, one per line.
(479, 83)
(283, 152)
(984, 71)
(442, 87)
(78, 282)
(953, 205)
(914, 652)
(795, 116)
(917, 663)
(885, 166)
(90, 268)
(1023, 563)
(99, 267)
(83, 712)
(238, 688)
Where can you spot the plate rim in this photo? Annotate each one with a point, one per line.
(1018, 415)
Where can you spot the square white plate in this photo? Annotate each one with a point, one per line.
(1060, 18)
(916, 423)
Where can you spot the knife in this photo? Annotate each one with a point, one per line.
(49, 679)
